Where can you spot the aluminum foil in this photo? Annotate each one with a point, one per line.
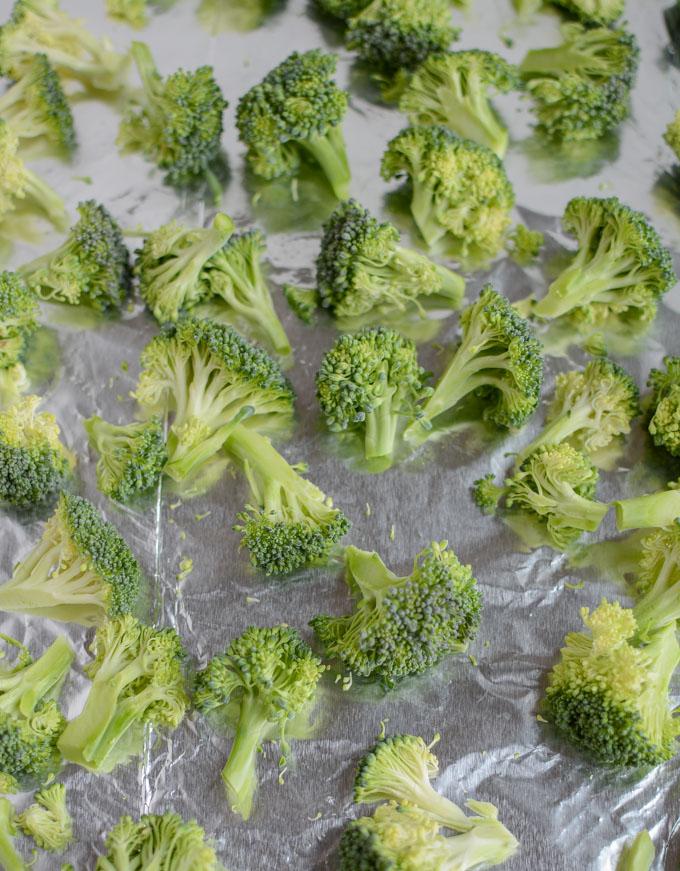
(566, 813)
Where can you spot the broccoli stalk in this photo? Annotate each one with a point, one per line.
(602, 12)
(47, 820)
(651, 510)
(9, 858)
(638, 854)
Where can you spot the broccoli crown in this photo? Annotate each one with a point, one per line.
(594, 11)
(34, 464)
(459, 189)
(390, 35)
(18, 318)
(163, 841)
(342, 9)
(608, 694)
(672, 135)
(525, 244)
(362, 268)
(403, 626)
(303, 302)
(131, 456)
(664, 422)
(48, 820)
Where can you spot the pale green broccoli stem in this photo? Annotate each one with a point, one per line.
(557, 60)
(20, 117)
(470, 115)
(645, 512)
(638, 855)
(423, 211)
(381, 427)
(240, 772)
(573, 510)
(10, 860)
(39, 679)
(664, 653)
(370, 574)
(403, 273)
(563, 427)
(45, 198)
(330, 153)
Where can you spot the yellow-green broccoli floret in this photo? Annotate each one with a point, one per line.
(18, 318)
(672, 135)
(651, 510)
(48, 820)
(342, 9)
(134, 13)
(664, 421)
(524, 245)
(594, 11)
(302, 301)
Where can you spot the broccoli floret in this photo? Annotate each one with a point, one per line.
(650, 510)
(158, 841)
(638, 854)
(177, 123)
(524, 245)
(40, 26)
(594, 11)
(210, 379)
(362, 268)
(30, 719)
(18, 318)
(342, 9)
(672, 135)
(81, 571)
(664, 422)
(10, 860)
(590, 408)
(403, 626)
(459, 190)
(34, 464)
(13, 383)
(36, 107)
(48, 820)
(137, 680)
(581, 88)
(658, 576)
(369, 382)
(453, 89)
(296, 110)
(498, 358)
(302, 301)
(289, 523)
(134, 13)
(131, 456)
(92, 267)
(269, 677)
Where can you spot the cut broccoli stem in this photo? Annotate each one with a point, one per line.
(40, 678)
(651, 510)
(559, 430)
(663, 652)
(430, 227)
(330, 153)
(10, 860)
(240, 772)
(406, 266)
(381, 427)
(637, 855)
(46, 199)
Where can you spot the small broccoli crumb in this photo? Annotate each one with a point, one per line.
(524, 245)
(578, 586)
(199, 517)
(186, 567)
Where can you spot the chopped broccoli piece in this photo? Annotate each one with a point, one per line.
(459, 190)
(658, 576)
(92, 267)
(342, 9)
(81, 571)
(525, 244)
(403, 626)
(296, 110)
(9, 858)
(137, 680)
(672, 135)
(34, 464)
(134, 13)
(48, 820)
(369, 382)
(270, 676)
(303, 302)
(18, 318)
(664, 422)
(594, 11)
(651, 510)
(131, 456)
(638, 854)
(289, 524)
(487, 494)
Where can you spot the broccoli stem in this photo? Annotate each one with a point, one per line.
(560, 59)
(651, 510)
(187, 458)
(46, 199)
(381, 428)
(330, 153)
(471, 116)
(240, 772)
(558, 430)
(422, 209)
(124, 727)
(402, 273)
(664, 654)
(10, 860)
(39, 679)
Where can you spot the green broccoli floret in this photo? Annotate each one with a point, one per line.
(131, 456)
(40, 26)
(48, 820)
(302, 301)
(81, 571)
(34, 464)
(296, 111)
(524, 245)
(664, 422)
(402, 626)
(134, 13)
(581, 88)
(210, 379)
(36, 107)
(269, 678)
(342, 9)
(30, 719)
(459, 190)
(163, 841)
(137, 680)
(18, 318)
(498, 358)
(594, 11)
(177, 122)
(10, 860)
(289, 523)
(590, 408)
(672, 135)
(92, 267)
(369, 382)
(363, 269)
(526, 8)
(650, 510)
(638, 854)
(453, 89)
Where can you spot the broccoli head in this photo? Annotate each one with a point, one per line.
(342, 9)
(131, 456)
(81, 571)
(524, 245)
(18, 318)
(296, 111)
(402, 626)
(664, 422)
(48, 820)
(303, 302)
(270, 676)
(594, 11)
(672, 135)
(10, 859)
(137, 680)
(459, 190)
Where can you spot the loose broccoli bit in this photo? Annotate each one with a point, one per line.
(498, 359)
(525, 244)
(453, 89)
(370, 382)
(269, 676)
(48, 820)
(137, 680)
(664, 422)
(210, 379)
(638, 854)
(594, 11)
(296, 111)
(403, 626)
(342, 9)
(303, 302)
(30, 719)
(581, 89)
(651, 510)
(135, 13)
(131, 456)
(177, 123)
(92, 267)
(362, 268)
(171, 263)
(81, 571)
(10, 860)
(36, 107)
(34, 464)
(672, 135)
(18, 318)
(590, 408)
(289, 523)
(459, 190)
(40, 26)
